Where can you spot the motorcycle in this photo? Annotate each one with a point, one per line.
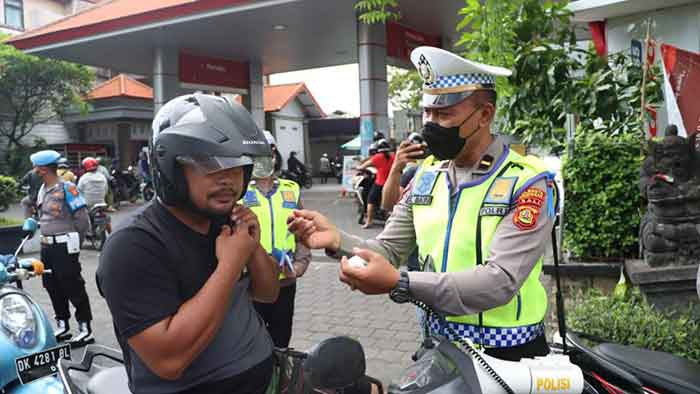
(97, 233)
(362, 183)
(338, 365)
(28, 348)
(303, 179)
(337, 168)
(124, 185)
(620, 369)
(147, 191)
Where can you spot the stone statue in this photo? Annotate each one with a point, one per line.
(670, 182)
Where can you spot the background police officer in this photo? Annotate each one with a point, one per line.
(273, 200)
(63, 218)
(480, 214)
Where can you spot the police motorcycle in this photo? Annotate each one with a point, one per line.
(28, 348)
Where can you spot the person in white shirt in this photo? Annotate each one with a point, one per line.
(93, 186)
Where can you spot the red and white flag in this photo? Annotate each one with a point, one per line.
(682, 88)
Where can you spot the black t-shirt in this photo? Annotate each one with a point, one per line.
(151, 267)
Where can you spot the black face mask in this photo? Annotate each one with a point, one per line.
(445, 142)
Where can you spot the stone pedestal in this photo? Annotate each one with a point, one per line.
(667, 288)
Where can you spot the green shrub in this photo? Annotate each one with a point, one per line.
(630, 320)
(5, 222)
(602, 200)
(8, 190)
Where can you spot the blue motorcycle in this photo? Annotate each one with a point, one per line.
(28, 350)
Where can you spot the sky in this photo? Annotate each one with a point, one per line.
(335, 88)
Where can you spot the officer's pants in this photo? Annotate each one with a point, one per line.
(279, 315)
(65, 282)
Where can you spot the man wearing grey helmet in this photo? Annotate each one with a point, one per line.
(180, 279)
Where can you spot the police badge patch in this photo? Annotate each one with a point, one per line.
(422, 192)
(250, 199)
(501, 190)
(290, 200)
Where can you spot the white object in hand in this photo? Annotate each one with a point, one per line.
(357, 262)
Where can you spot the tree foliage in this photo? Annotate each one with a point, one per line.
(378, 11)
(35, 90)
(405, 88)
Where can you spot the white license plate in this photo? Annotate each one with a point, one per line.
(36, 366)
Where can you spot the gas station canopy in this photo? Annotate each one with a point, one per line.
(282, 35)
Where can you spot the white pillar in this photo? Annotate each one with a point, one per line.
(256, 104)
(166, 80)
(371, 45)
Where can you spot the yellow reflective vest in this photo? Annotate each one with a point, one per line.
(455, 234)
(272, 210)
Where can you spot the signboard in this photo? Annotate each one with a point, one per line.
(401, 40)
(86, 148)
(214, 73)
(349, 163)
(636, 51)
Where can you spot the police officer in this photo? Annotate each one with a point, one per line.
(480, 214)
(273, 200)
(64, 218)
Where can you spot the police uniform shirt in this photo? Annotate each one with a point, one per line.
(512, 254)
(55, 217)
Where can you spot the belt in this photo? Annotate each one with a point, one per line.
(54, 239)
(491, 337)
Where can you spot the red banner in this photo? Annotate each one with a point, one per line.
(598, 33)
(401, 40)
(683, 70)
(209, 71)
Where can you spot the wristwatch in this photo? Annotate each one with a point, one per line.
(400, 293)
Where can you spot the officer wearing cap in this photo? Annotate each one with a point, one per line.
(64, 219)
(273, 199)
(480, 214)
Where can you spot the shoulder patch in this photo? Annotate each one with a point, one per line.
(532, 196)
(528, 208)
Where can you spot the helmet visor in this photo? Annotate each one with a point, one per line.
(211, 164)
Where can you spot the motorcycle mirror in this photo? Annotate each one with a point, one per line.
(335, 363)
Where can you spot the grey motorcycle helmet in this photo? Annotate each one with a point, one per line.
(209, 131)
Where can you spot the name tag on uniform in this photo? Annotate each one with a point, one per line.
(423, 190)
(251, 199)
(289, 200)
(494, 210)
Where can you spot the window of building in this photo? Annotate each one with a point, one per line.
(14, 14)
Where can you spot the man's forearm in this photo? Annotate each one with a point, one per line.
(392, 189)
(264, 285)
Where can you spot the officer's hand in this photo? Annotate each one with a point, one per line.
(243, 216)
(378, 277)
(234, 247)
(407, 152)
(314, 230)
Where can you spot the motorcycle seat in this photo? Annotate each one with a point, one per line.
(661, 370)
(109, 381)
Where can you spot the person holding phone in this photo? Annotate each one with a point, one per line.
(181, 278)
